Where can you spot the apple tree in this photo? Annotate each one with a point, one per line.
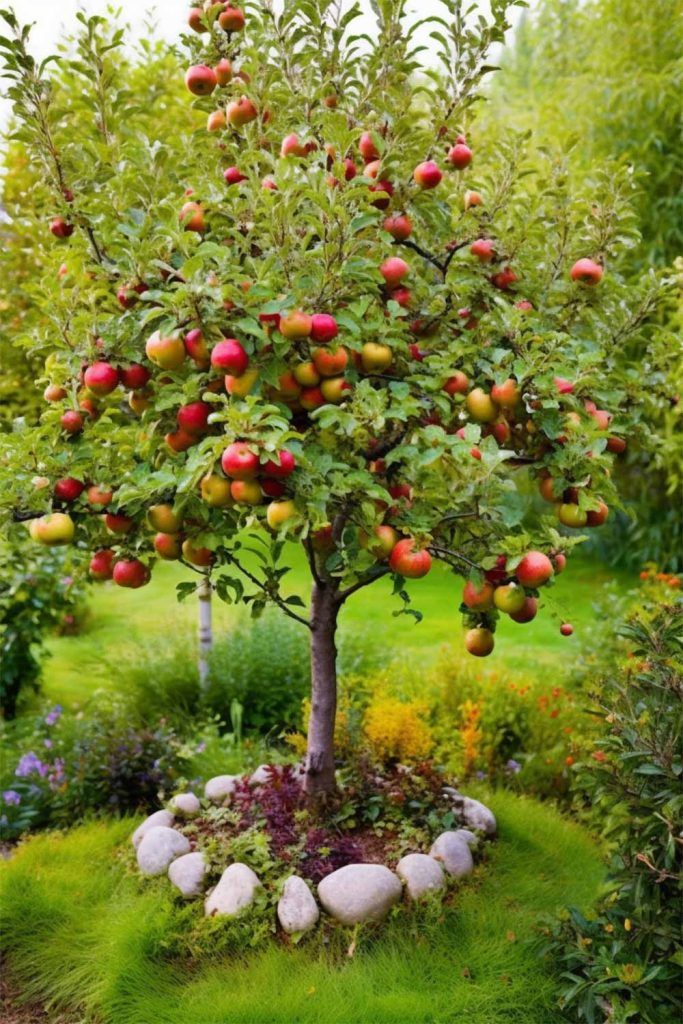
(314, 318)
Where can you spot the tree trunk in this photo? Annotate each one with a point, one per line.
(205, 634)
(320, 781)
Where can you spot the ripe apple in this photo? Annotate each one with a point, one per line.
(596, 517)
(401, 295)
(231, 19)
(459, 155)
(191, 217)
(481, 406)
(472, 199)
(53, 530)
(240, 112)
(311, 399)
(381, 542)
(560, 562)
(479, 599)
(99, 495)
(273, 488)
(131, 573)
(527, 612)
(194, 417)
(409, 562)
(168, 353)
(239, 462)
(335, 389)
(241, 386)
(393, 270)
(72, 421)
(229, 356)
(53, 393)
(197, 555)
(479, 642)
(504, 279)
(194, 20)
(102, 564)
(509, 598)
(586, 271)
(215, 490)
(134, 376)
(566, 629)
(306, 375)
(215, 122)
(116, 522)
(367, 148)
(101, 378)
(506, 394)
(296, 326)
(427, 174)
(350, 169)
(323, 328)
(282, 466)
(602, 418)
(280, 512)
(60, 228)
(292, 146)
(571, 515)
(223, 71)
(399, 226)
(323, 540)
(534, 570)
(498, 574)
(616, 445)
(163, 519)
(68, 489)
(201, 80)
(375, 358)
(564, 386)
(546, 489)
(233, 176)
(483, 249)
(329, 362)
(457, 384)
(180, 440)
(384, 186)
(246, 492)
(168, 546)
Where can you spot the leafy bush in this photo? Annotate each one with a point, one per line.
(624, 963)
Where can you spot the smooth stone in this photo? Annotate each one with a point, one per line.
(263, 774)
(220, 788)
(297, 910)
(235, 892)
(468, 837)
(421, 873)
(476, 815)
(186, 805)
(454, 853)
(359, 892)
(187, 874)
(158, 818)
(159, 847)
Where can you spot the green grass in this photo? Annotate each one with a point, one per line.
(135, 618)
(83, 932)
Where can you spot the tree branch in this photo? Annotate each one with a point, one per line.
(373, 574)
(310, 555)
(270, 594)
(445, 555)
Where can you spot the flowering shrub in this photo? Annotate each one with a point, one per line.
(624, 963)
(397, 730)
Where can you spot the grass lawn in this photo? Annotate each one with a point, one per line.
(84, 933)
(131, 617)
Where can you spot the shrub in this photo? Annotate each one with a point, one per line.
(623, 964)
(397, 730)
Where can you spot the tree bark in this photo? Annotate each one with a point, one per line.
(205, 634)
(319, 783)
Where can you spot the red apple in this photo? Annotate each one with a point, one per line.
(564, 386)
(246, 492)
(427, 174)
(223, 71)
(229, 356)
(457, 384)
(292, 146)
(194, 20)
(201, 80)
(168, 546)
(506, 394)
(381, 542)
(596, 517)
(311, 398)
(131, 573)
(483, 249)
(60, 228)
(616, 445)
(280, 467)
(382, 202)
(194, 417)
(273, 488)
(367, 148)
(134, 376)
(330, 362)
(231, 19)
(587, 272)
(101, 378)
(72, 421)
(409, 562)
(472, 199)
(504, 279)
(102, 564)
(197, 555)
(459, 155)
(527, 612)
(296, 326)
(479, 599)
(534, 570)
(179, 440)
(233, 176)
(393, 270)
(350, 169)
(53, 393)
(399, 226)
(566, 629)
(323, 328)
(479, 642)
(239, 462)
(240, 112)
(560, 562)
(68, 489)
(191, 217)
(99, 496)
(116, 522)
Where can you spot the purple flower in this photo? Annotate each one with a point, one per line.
(48, 743)
(513, 767)
(201, 747)
(53, 716)
(10, 796)
(480, 775)
(28, 765)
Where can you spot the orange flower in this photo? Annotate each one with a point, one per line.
(569, 760)
(599, 755)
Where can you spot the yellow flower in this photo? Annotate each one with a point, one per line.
(627, 924)
(396, 729)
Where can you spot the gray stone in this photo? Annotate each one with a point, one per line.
(219, 789)
(297, 910)
(158, 818)
(234, 893)
(422, 874)
(187, 874)
(468, 837)
(185, 805)
(159, 846)
(453, 851)
(263, 774)
(476, 815)
(359, 892)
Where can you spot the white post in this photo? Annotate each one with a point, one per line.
(205, 632)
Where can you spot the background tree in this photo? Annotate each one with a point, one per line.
(334, 326)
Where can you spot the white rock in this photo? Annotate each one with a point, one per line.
(159, 846)
(454, 853)
(476, 815)
(297, 910)
(234, 893)
(421, 874)
(158, 818)
(359, 892)
(219, 789)
(468, 837)
(187, 874)
(263, 774)
(186, 805)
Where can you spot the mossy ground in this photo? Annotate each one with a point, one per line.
(84, 934)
